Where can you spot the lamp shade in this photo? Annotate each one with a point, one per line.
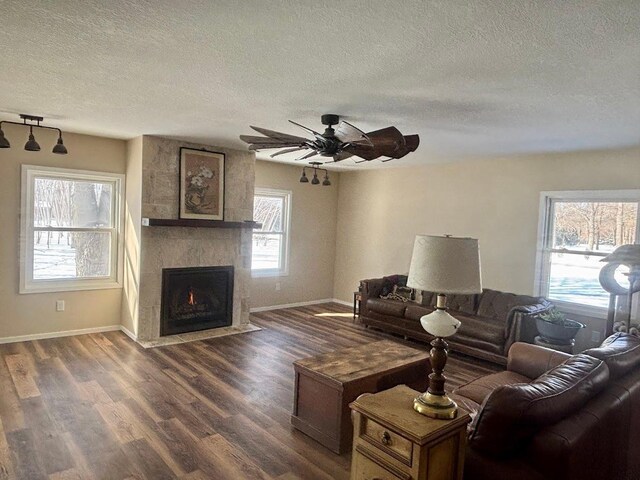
(445, 265)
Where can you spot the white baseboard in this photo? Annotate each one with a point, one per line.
(342, 302)
(291, 305)
(66, 333)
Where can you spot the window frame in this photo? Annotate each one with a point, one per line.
(27, 229)
(283, 269)
(545, 239)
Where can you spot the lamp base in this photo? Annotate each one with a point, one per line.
(435, 406)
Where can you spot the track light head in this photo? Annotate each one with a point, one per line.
(59, 147)
(326, 182)
(314, 180)
(31, 145)
(303, 178)
(4, 143)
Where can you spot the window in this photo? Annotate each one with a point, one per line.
(577, 229)
(270, 254)
(70, 230)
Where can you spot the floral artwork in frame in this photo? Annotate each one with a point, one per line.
(201, 184)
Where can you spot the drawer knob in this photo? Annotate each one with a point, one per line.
(386, 438)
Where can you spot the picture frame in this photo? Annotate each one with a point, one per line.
(202, 176)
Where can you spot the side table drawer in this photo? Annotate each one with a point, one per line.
(387, 441)
(366, 466)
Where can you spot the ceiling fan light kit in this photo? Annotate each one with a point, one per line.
(315, 180)
(343, 142)
(32, 145)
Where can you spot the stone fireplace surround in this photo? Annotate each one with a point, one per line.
(173, 247)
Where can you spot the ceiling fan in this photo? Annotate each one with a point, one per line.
(340, 143)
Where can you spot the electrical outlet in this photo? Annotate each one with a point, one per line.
(59, 305)
(595, 336)
(277, 286)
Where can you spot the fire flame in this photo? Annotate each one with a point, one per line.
(192, 298)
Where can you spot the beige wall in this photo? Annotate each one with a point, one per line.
(313, 238)
(496, 201)
(35, 313)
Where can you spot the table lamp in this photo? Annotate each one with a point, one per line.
(443, 265)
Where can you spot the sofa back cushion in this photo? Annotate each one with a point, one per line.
(496, 304)
(621, 353)
(459, 302)
(428, 298)
(512, 414)
(463, 303)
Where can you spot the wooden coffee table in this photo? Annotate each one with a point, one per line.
(325, 385)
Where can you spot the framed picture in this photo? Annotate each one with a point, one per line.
(201, 184)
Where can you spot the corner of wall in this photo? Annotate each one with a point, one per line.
(132, 233)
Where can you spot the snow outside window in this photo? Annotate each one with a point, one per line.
(577, 229)
(270, 248)
(70, 230)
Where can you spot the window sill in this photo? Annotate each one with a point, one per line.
(59, 287)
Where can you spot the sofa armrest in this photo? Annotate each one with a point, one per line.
(532, 360)
(521, 323)
(369, 288)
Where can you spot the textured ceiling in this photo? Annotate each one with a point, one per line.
(472, 78)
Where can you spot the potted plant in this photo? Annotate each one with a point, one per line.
(554, 327)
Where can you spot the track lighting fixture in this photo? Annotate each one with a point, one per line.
(315, 180)
(32, 145)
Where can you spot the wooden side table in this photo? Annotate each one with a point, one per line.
(391, 441)
(357, 298)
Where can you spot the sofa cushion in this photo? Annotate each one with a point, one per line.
(512, 414)
(463, 303)
(488, 329)
(478, 389)
(390, 281)
(393, 308)
(495, 304)
(621, 353)
(427, 298)
(415, 312)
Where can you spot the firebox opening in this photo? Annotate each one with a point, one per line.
(196, 298)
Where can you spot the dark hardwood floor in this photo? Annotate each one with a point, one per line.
(101, 407)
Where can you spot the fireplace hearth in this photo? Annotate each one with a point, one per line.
(196, 298)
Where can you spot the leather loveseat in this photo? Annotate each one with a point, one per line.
(491, 321)
(552, 416)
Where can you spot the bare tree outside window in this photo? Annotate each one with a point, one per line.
(69, 218)
(580, 234)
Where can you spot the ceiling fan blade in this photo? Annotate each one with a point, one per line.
(308, 155)
(287, 150)
(344, 154)
(362, 151)
(264, 146)
(412, 142)
(348, 133)
(318, 136)
(280, 135)
(267, 140)
(389, 136)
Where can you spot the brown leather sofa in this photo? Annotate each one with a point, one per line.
(491, 321)
(553, 416)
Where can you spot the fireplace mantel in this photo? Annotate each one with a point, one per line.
(190, 222)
